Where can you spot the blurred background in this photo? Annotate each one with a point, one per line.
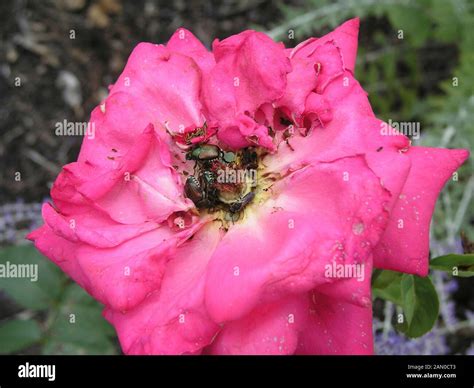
(57, 58)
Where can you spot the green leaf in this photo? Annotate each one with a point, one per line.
(18, 334)
(457, 265)
(387, 285)
(415, 295)
(420, 305)
(79, 327)
(34, 294)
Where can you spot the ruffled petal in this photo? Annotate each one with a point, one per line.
(141, 186)
(184, 42)
(93, 228)
(352, 130)
(157, 86)
(257, 63)
(120, 275)
(250, 71)
(167, 83)
(329, 65)
(60, 251)
(404, 246)
(392, 167)
(243, 132)
(301, 81)
(317, 111)
(173, 321)
(344, 37)
(269, 329)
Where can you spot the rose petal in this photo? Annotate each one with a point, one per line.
(301, 81)
(269, 329)
(60, 251)
(328, 320)
(93, 228)
(168, 83)
(344, 37)
(173, 321)
(157, 86)
(123, 275)
(143, 186)
(404, 246)
(184, 42)
(117, 264)
(336, 327)
(243, 132)
(317, 111)
(250, 71)
(353, 130)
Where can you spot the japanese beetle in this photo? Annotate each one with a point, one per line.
(193, 189)
(204, 152)
(249, 158)
(240, 204)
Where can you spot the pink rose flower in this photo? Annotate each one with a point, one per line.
(220, 189)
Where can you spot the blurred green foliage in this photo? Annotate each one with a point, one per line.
(462, 265)
(56, 316)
